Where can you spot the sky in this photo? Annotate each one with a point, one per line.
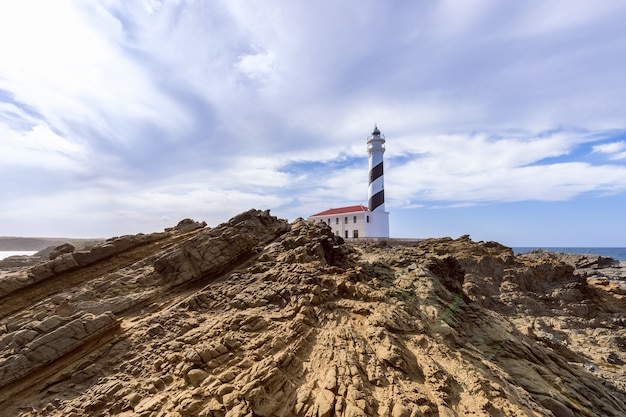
(503, 120)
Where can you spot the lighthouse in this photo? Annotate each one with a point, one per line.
(378, 224)
(355, 222)
(376, 187)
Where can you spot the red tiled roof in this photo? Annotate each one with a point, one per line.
(341, 210)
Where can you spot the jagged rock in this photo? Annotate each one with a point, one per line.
(186, 225)
(217, 249)
(60, 250)
(57, 265)
(260, 317)
(113, 246)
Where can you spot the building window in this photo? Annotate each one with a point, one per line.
(355, 234)
(337, 232)
(346, 232)
(345, 220)
(337, 220)
(329, 222)
(354, 219)
(368, 219)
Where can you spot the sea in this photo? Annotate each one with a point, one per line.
(7, 253)
(619, 254)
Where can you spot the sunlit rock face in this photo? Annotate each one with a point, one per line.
(261, 317)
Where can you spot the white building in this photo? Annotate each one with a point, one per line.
(360, 221)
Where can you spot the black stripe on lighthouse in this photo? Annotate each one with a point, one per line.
(376, 172)
(376, 200)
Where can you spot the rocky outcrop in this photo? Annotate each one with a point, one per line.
(60, 250)
(218, 249)
(40, 343)
(70, 260)
(65, 258)
(186, 225)
(44, 247)
(551, 298)
(257, 317)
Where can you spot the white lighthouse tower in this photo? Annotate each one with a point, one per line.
(376, 188)
(353, 222)
(378, 225)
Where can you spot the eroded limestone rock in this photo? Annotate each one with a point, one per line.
(260, 317)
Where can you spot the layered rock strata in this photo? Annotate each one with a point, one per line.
(257, 317)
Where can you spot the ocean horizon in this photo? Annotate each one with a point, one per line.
(619, 254)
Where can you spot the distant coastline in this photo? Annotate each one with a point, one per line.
(12, 245)
(619, 254)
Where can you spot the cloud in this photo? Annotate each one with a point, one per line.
(38, 148)
(120, 207)
(461, 170)
(479, 168)
(257, 66)
(614, 150)
(136, 111)
(69, 65)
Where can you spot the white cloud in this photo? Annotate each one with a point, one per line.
(38, 148)
(114, 208)
(615, 150)
(475, 168)
(154, 108)
(257, 66)
(68, 64)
